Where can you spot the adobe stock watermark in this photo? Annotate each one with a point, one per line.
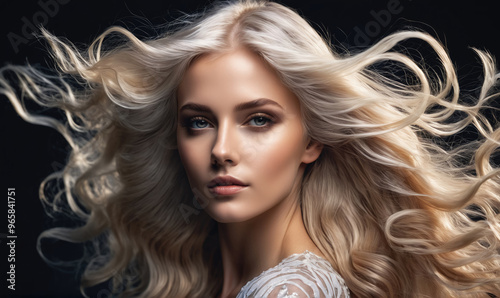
(48, 9)
(11, 238)
(199, 202)
(364, 35)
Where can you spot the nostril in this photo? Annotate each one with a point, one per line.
(216, 162)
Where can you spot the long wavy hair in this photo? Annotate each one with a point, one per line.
(393, 210)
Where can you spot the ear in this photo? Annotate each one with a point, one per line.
(312, 152)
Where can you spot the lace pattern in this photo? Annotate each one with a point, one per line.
(298, 276)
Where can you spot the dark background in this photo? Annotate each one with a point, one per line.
(29, 153)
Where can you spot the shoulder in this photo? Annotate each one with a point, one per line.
(298, 276)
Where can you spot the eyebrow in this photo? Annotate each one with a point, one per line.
(242, 106)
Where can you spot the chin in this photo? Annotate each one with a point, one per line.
(228, 216)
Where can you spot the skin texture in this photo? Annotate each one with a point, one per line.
(264, 146)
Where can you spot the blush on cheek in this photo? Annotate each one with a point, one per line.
(187, 158)
(279, 164)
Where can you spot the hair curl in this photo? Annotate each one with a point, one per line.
(395, 213)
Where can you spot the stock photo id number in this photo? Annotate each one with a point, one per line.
(11, 238)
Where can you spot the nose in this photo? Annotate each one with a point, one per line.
(225, 151)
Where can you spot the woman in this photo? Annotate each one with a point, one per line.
(238, 155)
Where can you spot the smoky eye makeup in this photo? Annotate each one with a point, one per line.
(255, 121)
(257, 115)
(196, 122)
(261, 121)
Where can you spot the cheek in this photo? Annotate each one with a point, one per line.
(279, 155)
(192, 156)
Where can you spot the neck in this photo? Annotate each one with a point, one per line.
(250, 247)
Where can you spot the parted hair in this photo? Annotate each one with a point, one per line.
(396, 212)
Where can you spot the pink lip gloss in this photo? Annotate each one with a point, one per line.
(226, 189)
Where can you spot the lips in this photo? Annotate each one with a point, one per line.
(225, 181)
(225, 186)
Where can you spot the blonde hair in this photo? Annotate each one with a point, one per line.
(394, 212)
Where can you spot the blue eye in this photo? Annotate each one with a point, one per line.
(200, 123)
(197, 123)
(259, 121)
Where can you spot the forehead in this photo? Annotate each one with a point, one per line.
(235, 76)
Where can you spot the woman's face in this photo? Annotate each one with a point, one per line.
(237, 119)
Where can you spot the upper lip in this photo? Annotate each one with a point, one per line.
(225, 180)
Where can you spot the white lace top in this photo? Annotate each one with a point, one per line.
(298, 276)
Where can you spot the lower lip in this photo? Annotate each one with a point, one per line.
(226, 190)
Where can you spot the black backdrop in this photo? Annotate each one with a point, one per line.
(29, 153)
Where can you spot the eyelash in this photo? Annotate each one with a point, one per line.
(269, 122)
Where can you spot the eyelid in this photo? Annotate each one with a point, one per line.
(263, 115)
(187, 121)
